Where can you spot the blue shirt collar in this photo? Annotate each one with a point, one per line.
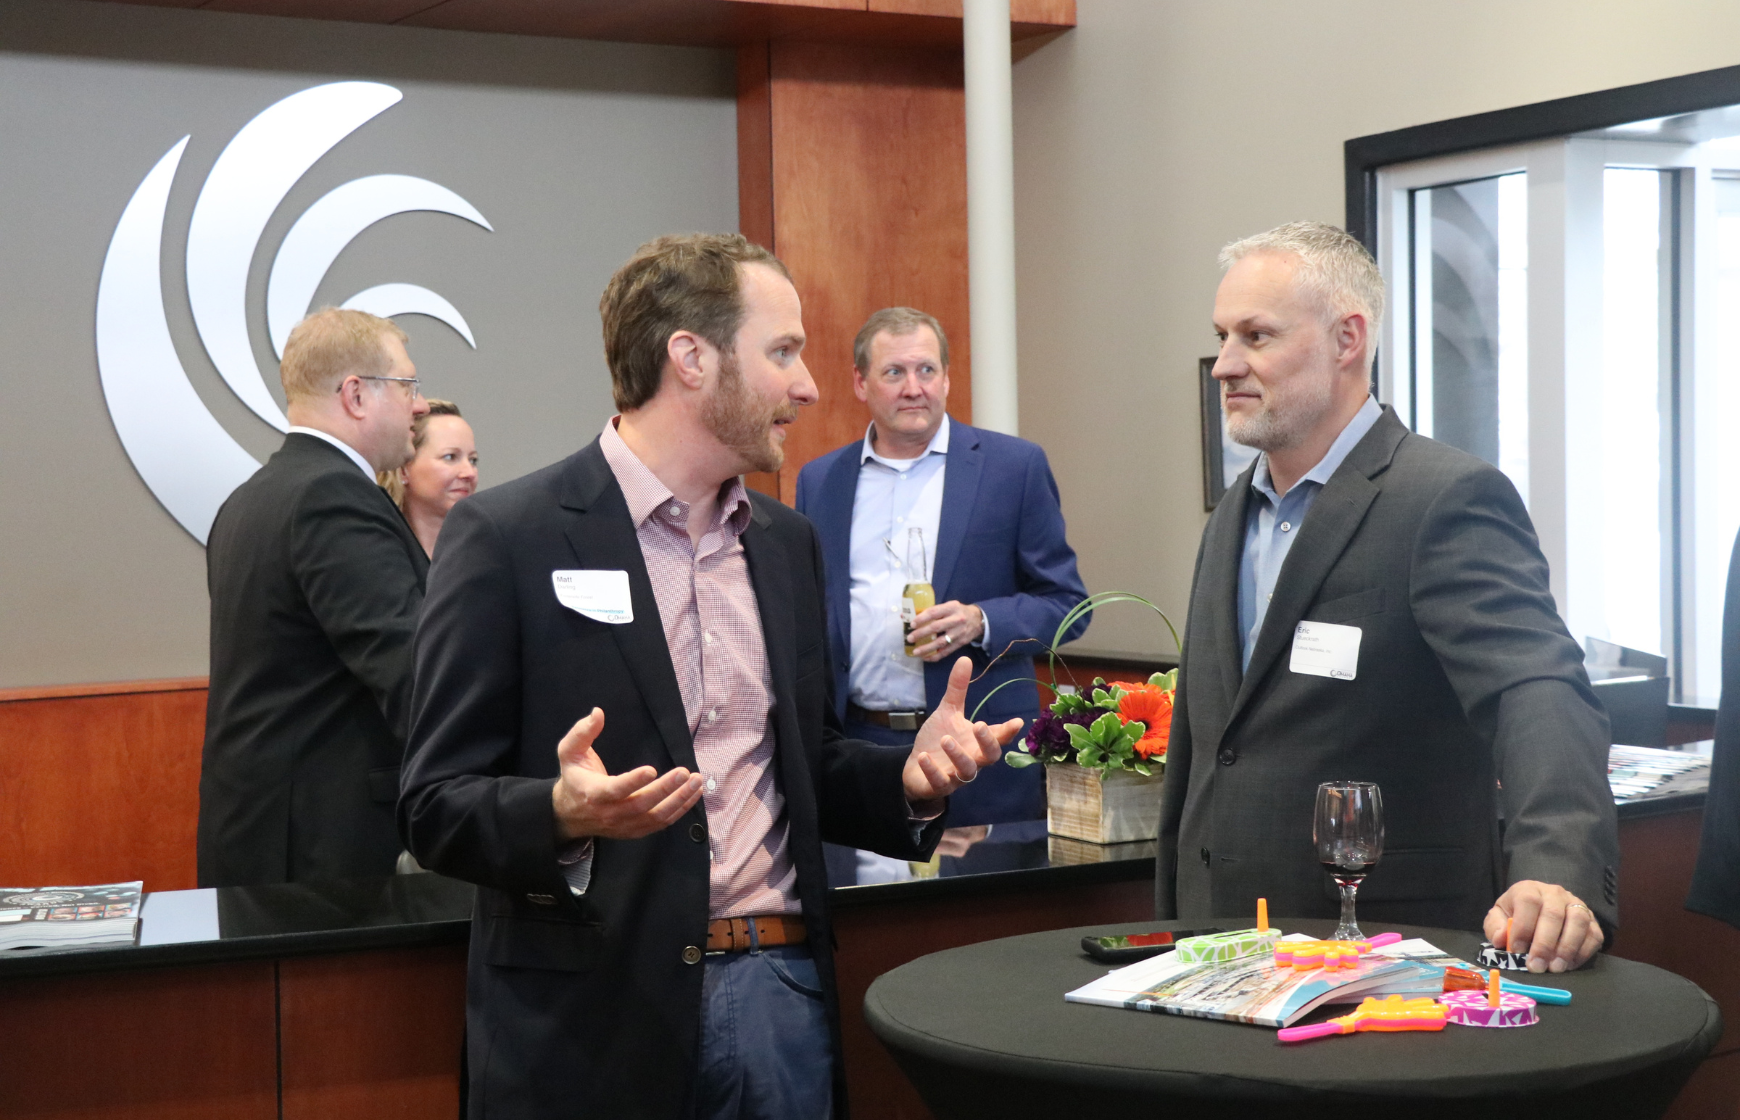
(1362, 422)
(939, 445)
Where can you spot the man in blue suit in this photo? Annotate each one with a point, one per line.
(992, 533)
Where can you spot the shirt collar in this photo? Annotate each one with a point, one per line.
(939, 445)
(1362, 422)
(350, 452)
(646, 495)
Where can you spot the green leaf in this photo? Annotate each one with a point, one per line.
(1019, 759)
(1142, 769)
(1167, 680)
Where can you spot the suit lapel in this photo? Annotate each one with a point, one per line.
(1334, 518)
(1222, 554)
(960, 488)
(601, 533)
(770, 574)
(833, 518)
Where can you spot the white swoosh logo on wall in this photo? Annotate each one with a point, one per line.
(184, 455)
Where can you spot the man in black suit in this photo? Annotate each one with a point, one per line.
(1372, 605)
(651, 937)
(315, 584)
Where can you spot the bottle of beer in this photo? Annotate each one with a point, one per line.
(918, 595)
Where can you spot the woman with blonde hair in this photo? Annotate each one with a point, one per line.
(443, 470)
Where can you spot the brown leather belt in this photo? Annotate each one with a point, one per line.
(731, 935)
(894, 721)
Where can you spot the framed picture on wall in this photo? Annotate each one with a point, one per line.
(1222, 459)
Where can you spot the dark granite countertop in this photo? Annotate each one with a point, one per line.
(406, 911)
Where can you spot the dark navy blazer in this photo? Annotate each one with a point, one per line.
(1000, 547)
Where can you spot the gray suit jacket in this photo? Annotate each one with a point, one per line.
(1470, 706)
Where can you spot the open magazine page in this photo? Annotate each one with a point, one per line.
(1248, 990)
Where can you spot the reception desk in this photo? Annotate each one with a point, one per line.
(346, 999)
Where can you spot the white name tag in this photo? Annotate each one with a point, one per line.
(599, 595)
(1324, 649)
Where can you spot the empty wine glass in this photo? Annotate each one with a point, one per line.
(1349, 831)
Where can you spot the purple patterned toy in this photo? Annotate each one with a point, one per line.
(1472, 1009)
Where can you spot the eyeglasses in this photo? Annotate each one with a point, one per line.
(415, 383)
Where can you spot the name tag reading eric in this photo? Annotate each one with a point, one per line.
(1324, 649)
(599, 595)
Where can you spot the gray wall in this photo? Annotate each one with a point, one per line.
(1159, 130)
(576, 152)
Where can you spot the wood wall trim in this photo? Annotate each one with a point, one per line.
(705, 23)
(103, 688)
(869, 210)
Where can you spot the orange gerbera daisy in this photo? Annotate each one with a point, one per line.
(1152, 705)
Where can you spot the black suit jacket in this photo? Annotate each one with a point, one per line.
(586, 1006)
(1466, 677)
(1716, 879)
(315, 584)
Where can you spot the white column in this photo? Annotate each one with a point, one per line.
(991, 215)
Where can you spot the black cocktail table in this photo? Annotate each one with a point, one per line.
(984, 1031)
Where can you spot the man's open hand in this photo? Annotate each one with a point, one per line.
(592, 802)
(950, 751)
(1550, 923)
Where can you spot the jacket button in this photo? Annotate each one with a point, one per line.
(698, 833)
(1227, 756)
(691, 955)
(1205, 857)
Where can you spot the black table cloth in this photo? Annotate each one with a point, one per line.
(984, 1031)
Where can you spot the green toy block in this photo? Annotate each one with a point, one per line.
(1218, 947)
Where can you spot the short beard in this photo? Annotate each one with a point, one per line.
(1284, 420)
(741, 422)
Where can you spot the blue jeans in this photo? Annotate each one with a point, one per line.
(765, 1050)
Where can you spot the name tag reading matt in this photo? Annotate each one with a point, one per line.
(1324, 649)
(599, 595)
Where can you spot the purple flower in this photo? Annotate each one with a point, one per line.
(1049, 737)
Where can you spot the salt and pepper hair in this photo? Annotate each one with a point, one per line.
(389, 480)
(897, 321)
(1333, 267)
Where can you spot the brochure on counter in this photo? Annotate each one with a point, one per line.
(1257, 991)
(43, 918)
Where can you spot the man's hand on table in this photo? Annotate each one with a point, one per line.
(946, 628)
(1558, 931)
(950, 751)
(590, 801)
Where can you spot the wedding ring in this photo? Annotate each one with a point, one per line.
(1580, 906)
(968, 781)
(948, 638)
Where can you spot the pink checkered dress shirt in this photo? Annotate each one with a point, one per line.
(713, 628)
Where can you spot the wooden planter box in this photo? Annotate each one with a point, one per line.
(1122, 807)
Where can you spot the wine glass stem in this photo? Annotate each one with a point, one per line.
(1349, 926)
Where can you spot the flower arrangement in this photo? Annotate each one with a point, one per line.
(1116, 725)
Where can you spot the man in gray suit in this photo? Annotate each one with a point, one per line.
(1435, 664)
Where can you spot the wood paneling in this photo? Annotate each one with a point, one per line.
(874, 939)
(869, 210)
(1655, 873)
(101, 788)
(727, 22)
(372, 1035)
(168, 1044)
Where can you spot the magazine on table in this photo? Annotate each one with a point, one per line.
(1257, 991)
(69, 917)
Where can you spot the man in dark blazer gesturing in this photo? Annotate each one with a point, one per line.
(987, 511)
(1370, 605)
(622, 732)
(315, 584)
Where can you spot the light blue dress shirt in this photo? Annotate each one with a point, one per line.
(1272, 521)
(893, 495)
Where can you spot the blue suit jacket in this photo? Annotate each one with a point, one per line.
(1001, 547)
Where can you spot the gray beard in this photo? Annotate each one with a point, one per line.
(1285, 419)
